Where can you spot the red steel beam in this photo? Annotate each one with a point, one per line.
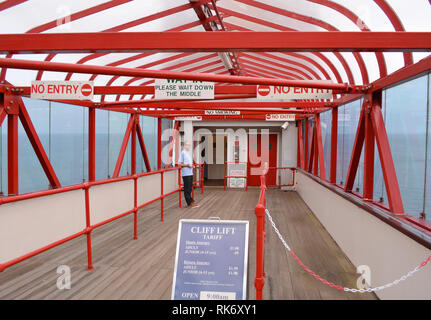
(300, 146)
(37, 146)
(133, 144)
(241, 104)
(281, 41)
(132, 72)
(124, 146)
(386, 160)
(368, 153)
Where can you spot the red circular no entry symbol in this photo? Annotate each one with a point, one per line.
(86, 90)
(263, 90)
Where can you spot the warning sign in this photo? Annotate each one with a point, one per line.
(62, 90)
(265, 92)
(222, 113)
(280, 117)
(183, 89)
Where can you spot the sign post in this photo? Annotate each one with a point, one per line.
(211, 260)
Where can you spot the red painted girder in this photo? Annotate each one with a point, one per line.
(124, 146)
(369, 147)
(202, 105)
(10, 3)
(300, 151)
(12, 154)
(69, 67)
(386, 161)
(284, 28)
(284, 41)
(316, 22)
(302, 56)
(361, 25)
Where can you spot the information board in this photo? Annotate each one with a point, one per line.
(211, 260)
(183, 89)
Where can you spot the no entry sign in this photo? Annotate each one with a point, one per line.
(211, 260)
(280, 117)
(62, 90)
(265, 92)
(183, 89)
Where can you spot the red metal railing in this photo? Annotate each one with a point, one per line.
(226, 163)
(259, 210)
(89, 227)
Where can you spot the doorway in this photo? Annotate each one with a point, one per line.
(256, 150)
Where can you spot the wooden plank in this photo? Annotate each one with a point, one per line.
(143, 268)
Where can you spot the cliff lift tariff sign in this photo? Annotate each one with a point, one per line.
(211, 260)
(62, 90)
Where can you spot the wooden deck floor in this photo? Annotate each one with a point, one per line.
(143, 268)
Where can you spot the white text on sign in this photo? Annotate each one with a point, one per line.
(265, 92)
(222, 113)
(280, 117)
(62, 90)
(183, 89)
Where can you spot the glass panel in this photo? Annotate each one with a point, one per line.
(428, 165)
(67, 142)
(326, 124)
(406, 119)
(102, 144)
(31, 175)
(117, 127)
(149, 128)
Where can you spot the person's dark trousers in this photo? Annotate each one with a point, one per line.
(188, 185)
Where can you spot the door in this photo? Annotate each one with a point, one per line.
(256, 155)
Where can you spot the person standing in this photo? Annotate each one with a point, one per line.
(186, 163)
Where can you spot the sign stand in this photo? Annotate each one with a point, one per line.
(211, 260)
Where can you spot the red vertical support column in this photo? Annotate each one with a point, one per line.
(311, 158)
(159, 143)
(315, 152)
(133, 143)
(334, 138)
(369, 147)
(91, 144)
(88, 225)
(259, 280)
(12, 153)
(135, 207)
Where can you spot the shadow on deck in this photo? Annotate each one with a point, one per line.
(143, 268)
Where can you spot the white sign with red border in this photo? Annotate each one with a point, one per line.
(62, 90)
(222, 113)
(192, 118)
(280, 117)
(265, 92)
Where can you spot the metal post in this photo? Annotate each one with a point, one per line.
(162, 198)
(159, 143)
(88, 225)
